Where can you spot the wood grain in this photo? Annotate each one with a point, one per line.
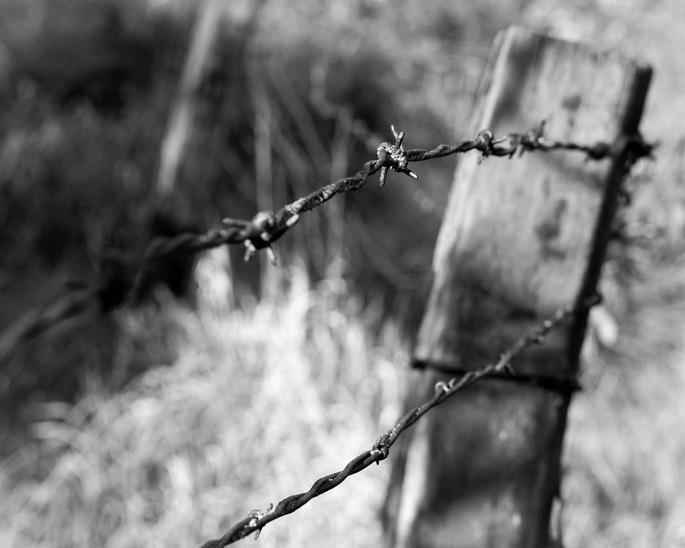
(519, 239)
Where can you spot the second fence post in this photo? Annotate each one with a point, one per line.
(520, 238)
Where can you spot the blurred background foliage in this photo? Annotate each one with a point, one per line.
(90, 87)
(307, 90)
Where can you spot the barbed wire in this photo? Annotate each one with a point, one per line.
(123, 278)
(257, 519)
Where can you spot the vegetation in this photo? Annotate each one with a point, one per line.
(163, 424)
(256, 405)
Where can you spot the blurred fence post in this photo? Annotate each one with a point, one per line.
(194, 146)
(519, 239)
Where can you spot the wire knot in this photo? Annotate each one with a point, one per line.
(261, 232)
(520, 142)
(381, 449)
(640, 148)
(255, 515)
(529, 141)
(393, 156)
(441, 388)
(484, 143)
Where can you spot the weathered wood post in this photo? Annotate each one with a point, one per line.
(519, 239)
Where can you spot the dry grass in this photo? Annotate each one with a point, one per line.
(625, 481)
(258, 405)
(261, 402)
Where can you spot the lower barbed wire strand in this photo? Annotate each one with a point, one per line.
(380, 450)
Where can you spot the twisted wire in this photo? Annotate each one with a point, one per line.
(257, 519)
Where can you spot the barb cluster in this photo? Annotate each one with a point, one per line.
(397, 155)
(257, 520)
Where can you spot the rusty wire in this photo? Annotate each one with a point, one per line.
(257, 519)
(266, 227)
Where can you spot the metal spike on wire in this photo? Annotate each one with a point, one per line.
(397, 154)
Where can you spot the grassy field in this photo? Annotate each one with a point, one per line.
(162, 425)
(257, 405)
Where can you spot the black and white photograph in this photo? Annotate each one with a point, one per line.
(342, 273)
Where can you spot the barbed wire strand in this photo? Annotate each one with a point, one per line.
(257, 519)
(266, 226)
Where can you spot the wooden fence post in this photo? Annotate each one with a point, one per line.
(519, 239)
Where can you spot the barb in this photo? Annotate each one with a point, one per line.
(257, 520)
(265, 228)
